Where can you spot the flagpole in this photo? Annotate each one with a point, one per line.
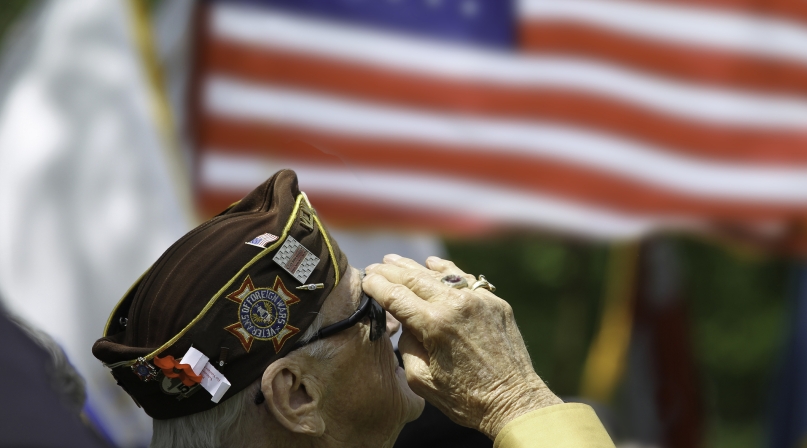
(605, 362)
(163, 117)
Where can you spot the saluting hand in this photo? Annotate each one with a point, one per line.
(461, 348)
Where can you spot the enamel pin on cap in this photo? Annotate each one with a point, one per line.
(296, 259)
(144, 370)
(262, 240)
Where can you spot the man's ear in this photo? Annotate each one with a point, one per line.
(291, 399)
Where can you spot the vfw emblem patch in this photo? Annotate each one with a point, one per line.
(263, 314)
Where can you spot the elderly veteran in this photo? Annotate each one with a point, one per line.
(253, 331)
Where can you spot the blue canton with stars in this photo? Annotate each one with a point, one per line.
(489, 23)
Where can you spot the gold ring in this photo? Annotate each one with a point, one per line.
(483, 283)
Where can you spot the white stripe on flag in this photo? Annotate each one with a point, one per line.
(416, 191)
(632, 160)
(426, 57)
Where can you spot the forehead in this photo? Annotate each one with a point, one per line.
(344, 299)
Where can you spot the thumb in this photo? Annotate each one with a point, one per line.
(416, 362)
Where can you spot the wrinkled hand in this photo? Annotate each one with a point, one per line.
(462, 349)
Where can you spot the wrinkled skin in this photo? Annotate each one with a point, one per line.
(462, 349)
(359, 397)
(366, 397)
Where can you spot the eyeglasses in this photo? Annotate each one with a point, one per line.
(368, 307)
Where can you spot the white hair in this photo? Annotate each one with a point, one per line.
(320, 349)
(228, 423)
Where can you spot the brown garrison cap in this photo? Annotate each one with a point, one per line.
(231, 288)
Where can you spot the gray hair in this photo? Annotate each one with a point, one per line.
(228, 423)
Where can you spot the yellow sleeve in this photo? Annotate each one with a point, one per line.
(569, 425)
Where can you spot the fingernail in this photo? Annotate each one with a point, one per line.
(392, 257)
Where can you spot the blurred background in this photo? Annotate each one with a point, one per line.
(631, 175)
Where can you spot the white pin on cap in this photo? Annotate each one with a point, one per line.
(212, 380)
(195, 359)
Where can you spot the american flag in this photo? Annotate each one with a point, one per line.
(602, 118)
(262, 240)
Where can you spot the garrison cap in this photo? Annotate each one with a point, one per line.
(240, 288)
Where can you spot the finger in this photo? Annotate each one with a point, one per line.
(403, 262)
(407, 263)
(447, 267)
(397, 260)
(403, 304)
(426, 284)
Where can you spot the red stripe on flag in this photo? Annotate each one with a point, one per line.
(539, 175)
(788, 9)
(697, 64)
(688, 137)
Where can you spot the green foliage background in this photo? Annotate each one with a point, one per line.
(737, 302)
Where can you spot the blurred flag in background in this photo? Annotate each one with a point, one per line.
(90, 192)
(599, 118)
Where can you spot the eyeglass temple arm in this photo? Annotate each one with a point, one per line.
(341, 325)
